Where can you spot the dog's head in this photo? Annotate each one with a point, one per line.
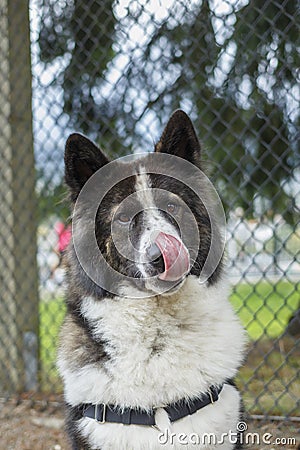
(143, 221)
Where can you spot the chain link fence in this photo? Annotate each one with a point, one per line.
(115, 70)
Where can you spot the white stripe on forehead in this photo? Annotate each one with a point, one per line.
(143, 188)
(153, 219)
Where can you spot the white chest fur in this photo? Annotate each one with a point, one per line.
(160, 350)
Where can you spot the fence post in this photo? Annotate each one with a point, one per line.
(18, 266)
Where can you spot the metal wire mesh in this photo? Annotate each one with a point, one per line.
(115, 70)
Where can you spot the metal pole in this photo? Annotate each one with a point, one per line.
(18, 266)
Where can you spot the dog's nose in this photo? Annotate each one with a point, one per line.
(153, 252)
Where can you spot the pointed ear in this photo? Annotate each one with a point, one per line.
(82, 159)
(179, 138)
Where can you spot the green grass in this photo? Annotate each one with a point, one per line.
(272, 363)
(51, 317)
(265, 308)
(269, 377)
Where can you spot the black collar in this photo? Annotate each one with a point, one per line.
(109, 413)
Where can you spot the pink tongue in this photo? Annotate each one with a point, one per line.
(175, 255)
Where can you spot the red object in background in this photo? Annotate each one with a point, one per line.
(64, 235)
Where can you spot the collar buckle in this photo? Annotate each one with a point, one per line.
(210, 396)
(103, 419)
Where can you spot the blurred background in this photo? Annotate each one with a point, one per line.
(115, 70)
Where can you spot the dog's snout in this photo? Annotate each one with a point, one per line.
(153, 252)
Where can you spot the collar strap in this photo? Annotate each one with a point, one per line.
(103, 413)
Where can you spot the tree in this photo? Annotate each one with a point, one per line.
(266, 61)
(82, 32)
(236, 72)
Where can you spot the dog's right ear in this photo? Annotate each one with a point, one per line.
(82, 159)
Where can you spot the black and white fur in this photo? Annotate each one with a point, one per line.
(145, 352)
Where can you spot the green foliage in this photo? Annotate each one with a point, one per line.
(53, 199)
(243, 106)
(83, 32)
(267, 56)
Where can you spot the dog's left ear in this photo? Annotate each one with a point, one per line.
(179, 138)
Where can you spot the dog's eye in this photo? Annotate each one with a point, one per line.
(123, 218)
(171, 207)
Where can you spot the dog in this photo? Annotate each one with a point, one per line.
(150, 344)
